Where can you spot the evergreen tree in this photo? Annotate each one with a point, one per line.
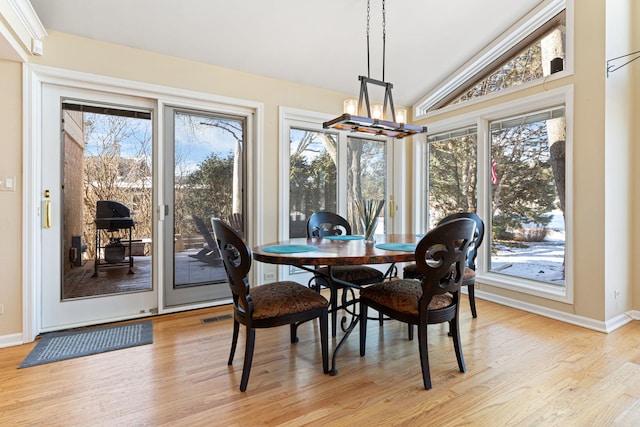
(452, 177)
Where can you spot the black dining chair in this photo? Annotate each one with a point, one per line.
(411, 271)
(323, 224)
(266, 306)
(441, 257)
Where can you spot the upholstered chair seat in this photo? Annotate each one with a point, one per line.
(284, 298)
(403, 296)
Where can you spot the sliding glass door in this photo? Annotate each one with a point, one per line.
(204, 180)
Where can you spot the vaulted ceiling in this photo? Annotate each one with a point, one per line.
(319, 43)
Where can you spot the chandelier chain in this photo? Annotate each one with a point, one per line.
(384, 37)
(368, 31)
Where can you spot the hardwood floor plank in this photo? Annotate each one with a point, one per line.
(522, 369)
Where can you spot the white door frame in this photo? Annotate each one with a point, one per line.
(34, 76)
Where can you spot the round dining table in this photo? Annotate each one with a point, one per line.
(331, 251)
(339, 250)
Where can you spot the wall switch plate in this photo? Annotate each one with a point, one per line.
(8, 183)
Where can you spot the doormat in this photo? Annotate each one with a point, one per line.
(56, 346)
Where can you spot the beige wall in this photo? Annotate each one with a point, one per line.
(588, 160)
(589, 193)
(11, 202)
(634, 69)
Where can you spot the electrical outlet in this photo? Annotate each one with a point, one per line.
(1, 308)
(269, 277)
(616, 294)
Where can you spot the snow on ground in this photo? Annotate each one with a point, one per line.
(539, 260)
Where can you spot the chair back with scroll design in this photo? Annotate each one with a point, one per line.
(324, 223)
(441, 257)
(268, 305)
(411, 271)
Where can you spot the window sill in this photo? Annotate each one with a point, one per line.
(525, 286)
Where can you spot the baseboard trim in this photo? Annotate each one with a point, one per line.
(10, 340)
(634, 314)
(585, 322)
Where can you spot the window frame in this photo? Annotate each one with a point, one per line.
(481, 118)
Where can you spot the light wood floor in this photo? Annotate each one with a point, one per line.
(523, 370)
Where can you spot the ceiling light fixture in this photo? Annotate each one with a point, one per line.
(374, 122)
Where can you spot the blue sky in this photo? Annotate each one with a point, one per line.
(195, 140)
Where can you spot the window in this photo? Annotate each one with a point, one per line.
(452, 173)
(536, 48)
(312, 176)
(328, 170)
(366, 178)
(106, 156)
(506, 160)
(207, 183)
(542, 57)
(512, 167)
(528, 195)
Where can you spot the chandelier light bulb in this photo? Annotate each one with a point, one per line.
(401, 115)
(376, 112)
(350, 106)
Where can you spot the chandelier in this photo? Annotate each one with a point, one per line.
(376, 124)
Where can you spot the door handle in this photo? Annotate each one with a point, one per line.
(47, 209)
(47, 214)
